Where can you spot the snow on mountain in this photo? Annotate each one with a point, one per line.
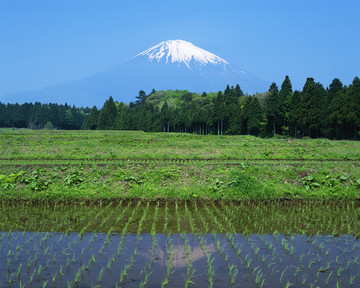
(182, 52)
(172, 64)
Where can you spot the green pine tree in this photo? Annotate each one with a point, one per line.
(255, 116)
(107, 115)
(285, 94)
(273, 108)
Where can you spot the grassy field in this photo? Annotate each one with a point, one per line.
(96, 165)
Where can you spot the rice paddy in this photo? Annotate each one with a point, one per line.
(134, 209)
(180, 244)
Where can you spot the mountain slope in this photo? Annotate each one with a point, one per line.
(173, 64)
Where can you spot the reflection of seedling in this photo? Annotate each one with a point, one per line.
(11, 277)
(304, 278)
(328, 278)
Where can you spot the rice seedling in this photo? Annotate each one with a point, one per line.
(141, 222)
(259, 277)
(53, 277)
(77, 276)
(210, 270)
(189, 275)
(226, 219)
(213, 217)
(61, 271)
(28, 263)
(21, 285)
(125, 269)
(352, 279)
(39, 270)
(166, 218)
(123, 275)
(19, 270)
(130, 219)
(32, 276)
(310, 263)
(339, 270)
(204, 223)
(177, 218)
(153, 225)
(233, 272)
(169, 264)
(191, 220)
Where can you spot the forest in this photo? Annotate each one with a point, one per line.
(315, 112)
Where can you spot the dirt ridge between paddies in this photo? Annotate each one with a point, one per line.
(162, 201)
(165, 160)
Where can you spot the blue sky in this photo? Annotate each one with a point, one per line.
(51, 42)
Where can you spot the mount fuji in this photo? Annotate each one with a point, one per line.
(172, 64)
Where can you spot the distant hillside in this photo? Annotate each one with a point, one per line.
(176, 98)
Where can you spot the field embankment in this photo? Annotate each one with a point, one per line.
(95, 165)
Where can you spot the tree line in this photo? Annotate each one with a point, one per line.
(40, 116)
(314, 112)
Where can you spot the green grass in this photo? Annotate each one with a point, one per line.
(83, 165)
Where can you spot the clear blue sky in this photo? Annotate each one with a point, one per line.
(50, 42)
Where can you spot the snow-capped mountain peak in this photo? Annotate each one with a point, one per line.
(181, 51)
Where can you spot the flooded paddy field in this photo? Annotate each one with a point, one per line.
(180, 244)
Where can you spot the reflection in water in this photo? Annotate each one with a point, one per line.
(178, 251)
